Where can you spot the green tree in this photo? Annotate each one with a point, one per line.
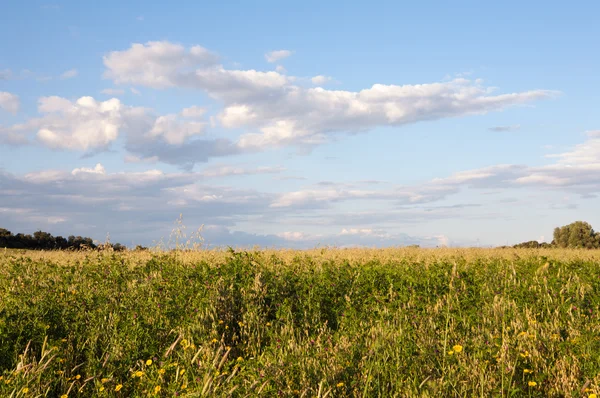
(579, 234)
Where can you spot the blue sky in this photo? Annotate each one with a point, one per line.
(297, 124)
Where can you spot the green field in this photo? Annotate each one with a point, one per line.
(330, 322)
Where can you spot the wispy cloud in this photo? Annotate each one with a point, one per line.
(277, 55)
(71, 73)
(500, 129)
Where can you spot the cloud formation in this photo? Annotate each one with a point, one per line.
(71, 73)
(9, 102)
(277, 55)
(501, 129)
(275, 111)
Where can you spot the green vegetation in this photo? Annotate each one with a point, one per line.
(41, 240)
(577, 235)
(336, 323)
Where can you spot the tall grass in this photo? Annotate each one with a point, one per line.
(319, 323)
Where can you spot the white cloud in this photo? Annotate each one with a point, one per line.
(224, 171)
(155, 64)
(175, 131)
(280, 69)
(5, 74)
(501, 129)
(320, 80)
(135, 91)
(278, 112)
(81, 125)
(71, 73)
(193, 112)
(90, 125)
(113, 91)
(98, 169)
(277, 55)
(294, 236)
(9, 102)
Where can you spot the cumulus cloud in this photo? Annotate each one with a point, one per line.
(81, 125)
(9, 102)
(276, 112)
(156, 64)
(98, 169)
(501, 129)
(320, 80)
(71, 73)
(277, 55)
(91, 125)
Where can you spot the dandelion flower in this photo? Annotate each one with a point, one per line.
(451, 352)
(215, 340)
(149, 362)
(161, 371)
(77, 377)
(182, 371)
(117, 388)
(532, 384)
(64, 396)
(457, 348)
(527, 371)
(25, 390)
(104, 380)
(183, 387)
(340, 384)
(156, 389)
(101, 389)
(139, 373)
(592, 396)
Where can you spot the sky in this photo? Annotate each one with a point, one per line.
(300, 124)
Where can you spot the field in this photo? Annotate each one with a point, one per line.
(326, 322)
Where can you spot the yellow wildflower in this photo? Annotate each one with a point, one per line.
(77, 377)
(182, 371)
(25, 390)
(215, 340)
(450, 352)
(161, 371)
(240, 359)
(527, 371)
(104, 380)
(64, 396)
(340, 384)
(101, 389)
(592, 396)
(156, 389)
(268, 323)
(139, 373)
(117, 388)
(457, 348)
(149, 362)
(532, 384)
(183, 387)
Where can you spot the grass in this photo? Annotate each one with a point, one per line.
(319, 323)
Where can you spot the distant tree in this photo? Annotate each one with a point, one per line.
(578, 234)
(46, 241)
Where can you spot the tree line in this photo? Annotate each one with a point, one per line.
(577, 235)
(41, 240)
